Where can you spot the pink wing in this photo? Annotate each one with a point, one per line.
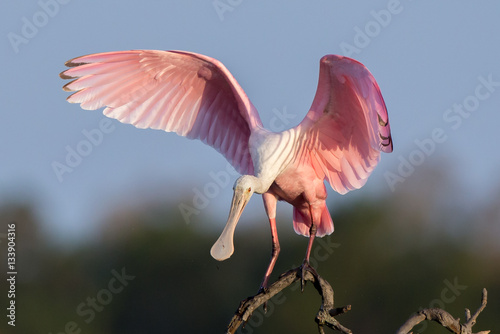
(347, 126)
(187, 93)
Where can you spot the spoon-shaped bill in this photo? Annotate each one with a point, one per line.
(223, 247)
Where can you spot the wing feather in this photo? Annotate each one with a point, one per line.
(175, 91)
(347, 125)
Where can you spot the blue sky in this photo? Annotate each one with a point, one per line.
(437, 64)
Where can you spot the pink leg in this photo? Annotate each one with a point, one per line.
(274, 254)
(270, 205)
(312, 235)
(305, 264)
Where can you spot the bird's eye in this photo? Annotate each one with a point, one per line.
(249, 190)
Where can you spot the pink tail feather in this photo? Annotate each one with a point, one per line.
(302, 223)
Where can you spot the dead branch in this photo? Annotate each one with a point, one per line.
(325, 315)
(445, 319)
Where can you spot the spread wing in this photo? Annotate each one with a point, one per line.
(347, 126)
(175, 91)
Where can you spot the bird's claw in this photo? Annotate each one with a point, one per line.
(303, 268)
(302, 273)
(263, 289)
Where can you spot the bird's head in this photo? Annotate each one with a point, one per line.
(244, 188)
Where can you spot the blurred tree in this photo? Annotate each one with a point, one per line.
(150, 272)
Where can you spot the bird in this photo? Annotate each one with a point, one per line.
(338, 142)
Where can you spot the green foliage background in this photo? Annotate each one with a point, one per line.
(387, 258)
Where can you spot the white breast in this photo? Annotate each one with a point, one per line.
(272, 152)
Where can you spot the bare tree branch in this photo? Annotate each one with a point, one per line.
(445, 319)
(325, 315)
(327, 311)
(471, 321)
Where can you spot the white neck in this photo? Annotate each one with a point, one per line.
(271, 153)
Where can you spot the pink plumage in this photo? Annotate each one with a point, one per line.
(347, 124)
(192, 95)
(339, 140)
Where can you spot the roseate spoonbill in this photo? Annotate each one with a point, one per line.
(339, 140)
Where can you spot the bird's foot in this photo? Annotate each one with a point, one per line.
(303, 268)
(263, 285)
(263, 289)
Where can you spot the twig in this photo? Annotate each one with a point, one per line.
(471, 321)
(445, 319)
(436, 314)
(325, 315)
